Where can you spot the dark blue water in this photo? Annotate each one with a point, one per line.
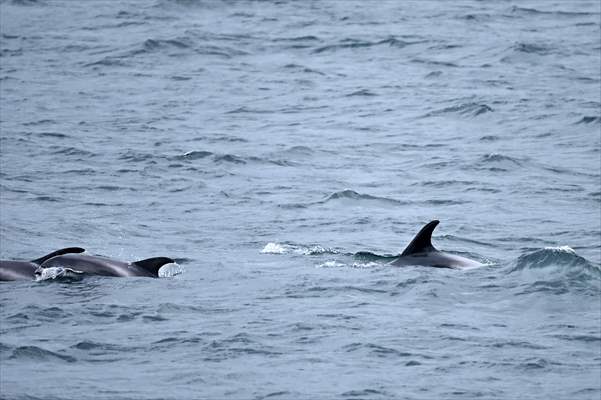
(280, 151)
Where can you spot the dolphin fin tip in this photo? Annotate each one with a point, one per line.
(59, 252)
(422, 242)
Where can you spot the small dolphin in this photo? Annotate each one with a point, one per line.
(421, 252)
(16, 270)
(96, 265)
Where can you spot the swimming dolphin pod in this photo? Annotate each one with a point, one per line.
(17, 270)
(421, 252)
(72, 260)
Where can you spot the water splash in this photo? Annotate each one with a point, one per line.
(57, 273)
(274, 248)
(280, 248)
(354, 264)
(170, 270)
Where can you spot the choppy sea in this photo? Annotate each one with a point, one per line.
(282, 152)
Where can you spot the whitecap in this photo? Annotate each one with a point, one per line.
(274, 248)
(562, 249)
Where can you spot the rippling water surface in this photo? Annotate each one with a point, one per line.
(282, 152)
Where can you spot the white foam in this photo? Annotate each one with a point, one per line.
(337, 264)
(313, 250)
(278, 248)
(331, 264)
(274, 248)
(562, 249)
(370, 264)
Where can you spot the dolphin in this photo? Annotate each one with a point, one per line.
(17, 270)
(96, 265)
(421, 252)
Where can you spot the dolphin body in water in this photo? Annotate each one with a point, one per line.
(96, 265)
(25, 270)
(421, 252)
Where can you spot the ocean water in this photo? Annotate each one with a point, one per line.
(282, 152)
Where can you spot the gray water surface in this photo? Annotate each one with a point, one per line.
(282, 152)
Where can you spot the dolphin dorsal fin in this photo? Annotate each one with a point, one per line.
(60, 252)
(153, 265)
(422, 242)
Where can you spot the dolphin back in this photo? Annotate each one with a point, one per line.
(16, 270)
(422, 242)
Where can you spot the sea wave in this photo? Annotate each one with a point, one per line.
(349, 194)
(562, 256)
(470, 109)
(532, 48)
(558, 13)
(38, 354)
(590, 120)
(500, 158)
(556, 270)
(357, 44)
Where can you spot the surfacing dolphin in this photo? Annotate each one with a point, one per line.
(17, 270)
(421, 252)
(96, 265)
